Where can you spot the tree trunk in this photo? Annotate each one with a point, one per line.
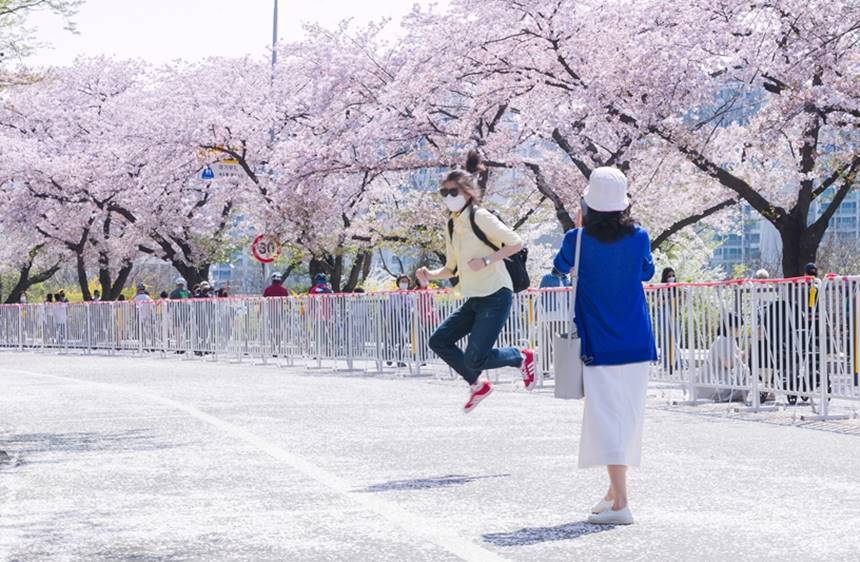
(357, 268)
(317, 266)
(193, 275)
(111, 289)
(83, 282)
(365, 268)
(26, 279)
(799, 245)
(337, 274)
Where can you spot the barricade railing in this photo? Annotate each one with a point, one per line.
(752, 341)
(745, 341)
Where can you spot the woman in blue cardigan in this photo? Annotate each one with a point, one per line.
(615, 328)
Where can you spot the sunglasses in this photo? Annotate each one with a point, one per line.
(453, 191)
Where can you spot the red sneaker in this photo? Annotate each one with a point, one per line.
(480, 390)
(528, 368)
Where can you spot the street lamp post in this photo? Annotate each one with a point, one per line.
(274, 38)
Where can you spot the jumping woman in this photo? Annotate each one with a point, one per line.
(483, 280)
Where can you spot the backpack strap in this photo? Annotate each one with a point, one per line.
(451, 236)
(480, 233)
(475, 229)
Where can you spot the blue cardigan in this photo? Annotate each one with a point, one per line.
(611, 313)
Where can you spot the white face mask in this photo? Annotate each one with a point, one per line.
(403, 286)
(455, 203)
(670, 280)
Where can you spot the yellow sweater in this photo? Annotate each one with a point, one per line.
(465, 246)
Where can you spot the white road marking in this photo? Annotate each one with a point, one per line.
(413, 524)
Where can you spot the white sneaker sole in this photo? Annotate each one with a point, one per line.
(609, 517)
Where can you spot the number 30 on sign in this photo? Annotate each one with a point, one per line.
(266, 248)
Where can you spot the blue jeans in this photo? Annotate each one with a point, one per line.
(482, 319)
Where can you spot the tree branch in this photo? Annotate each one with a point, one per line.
(658, 240)
(820, 225)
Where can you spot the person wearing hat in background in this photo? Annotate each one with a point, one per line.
(205, 291)
(549, 301)
(276, 289)
(141, 295)
(811, 270)
(320, 285)
(614, 325)
(554, 279)
(180, 292)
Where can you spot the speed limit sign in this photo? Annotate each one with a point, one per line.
(265, 248)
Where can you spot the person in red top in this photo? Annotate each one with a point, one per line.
(276, 289)
(321, 285)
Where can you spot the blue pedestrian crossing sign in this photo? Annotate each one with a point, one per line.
(207, 174)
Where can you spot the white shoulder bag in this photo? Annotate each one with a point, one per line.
(567, 357)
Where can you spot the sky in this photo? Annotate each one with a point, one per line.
(163, 30)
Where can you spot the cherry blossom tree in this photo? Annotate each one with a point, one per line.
(508, 70)
(104, 170)
(339, 149)
(765, 100)
(760, 98)
(63, 168)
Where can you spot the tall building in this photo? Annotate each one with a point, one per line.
(753, 242)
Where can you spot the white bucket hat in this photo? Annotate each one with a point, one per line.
(607, 190)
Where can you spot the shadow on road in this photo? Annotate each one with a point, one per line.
(535, 535)
(32, 448)
(426, 483)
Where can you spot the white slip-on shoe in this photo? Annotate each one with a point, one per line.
(601, 506)
(612, 517)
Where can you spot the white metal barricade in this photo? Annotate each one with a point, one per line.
(792, 339)
(839, 320)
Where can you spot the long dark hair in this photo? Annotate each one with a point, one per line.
(609, 227)
(664, 277)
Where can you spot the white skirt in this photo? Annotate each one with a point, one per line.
(614, 411)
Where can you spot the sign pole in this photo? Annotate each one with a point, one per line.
(265, 250)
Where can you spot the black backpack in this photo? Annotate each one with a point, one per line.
(515, 264)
